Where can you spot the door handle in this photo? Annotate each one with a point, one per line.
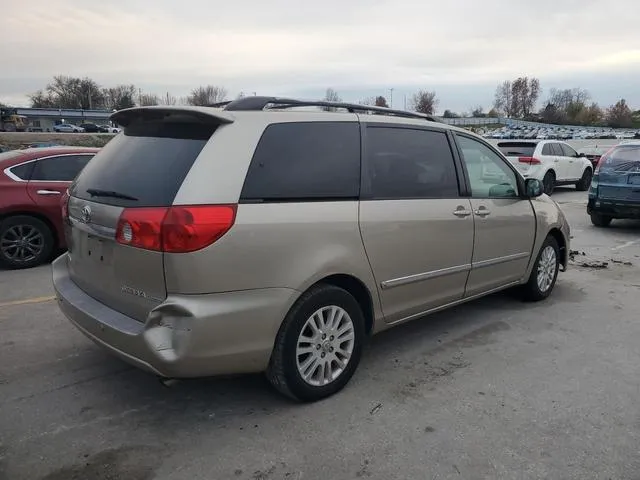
(461, 212)
(48, 192)
(482, 212)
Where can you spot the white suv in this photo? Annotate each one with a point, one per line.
(551, 162)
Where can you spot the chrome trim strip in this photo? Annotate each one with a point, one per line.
(452, 304)
(419, 277)
(496, 261)
(14, 177)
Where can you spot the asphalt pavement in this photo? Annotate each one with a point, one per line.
(493, 389)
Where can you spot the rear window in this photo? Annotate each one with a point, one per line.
(517, 149)
(308, 161)
(623, 158)
(145, 166)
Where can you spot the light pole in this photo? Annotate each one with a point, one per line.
(391, 98)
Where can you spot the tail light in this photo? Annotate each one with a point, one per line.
(529, 160)
(64, 204)
(602, 159)
(178, 229)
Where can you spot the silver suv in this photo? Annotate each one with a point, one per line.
(266, 237)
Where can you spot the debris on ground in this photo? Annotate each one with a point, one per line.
(575, 253)
(598, 264)
(375, 409)
(622, 262)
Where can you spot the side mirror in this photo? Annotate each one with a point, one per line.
(582, 155)
(533, 187)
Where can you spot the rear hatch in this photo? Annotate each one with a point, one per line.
(619, 174)
(140, 171)
(520, 154)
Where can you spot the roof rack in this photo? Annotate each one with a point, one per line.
(259, 103)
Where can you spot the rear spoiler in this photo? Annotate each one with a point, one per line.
(178, 114)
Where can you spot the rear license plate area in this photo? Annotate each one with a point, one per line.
(97, 250)
(634, 180)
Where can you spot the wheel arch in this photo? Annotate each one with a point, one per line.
(43, 218)
(562, 245)
(358, 290)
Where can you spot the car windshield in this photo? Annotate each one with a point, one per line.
(624, 159)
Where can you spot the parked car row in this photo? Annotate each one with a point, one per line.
(530, 132)
(85, 127)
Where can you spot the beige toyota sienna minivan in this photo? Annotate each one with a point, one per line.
(262, 236)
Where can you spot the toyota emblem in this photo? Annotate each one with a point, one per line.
(86, 214)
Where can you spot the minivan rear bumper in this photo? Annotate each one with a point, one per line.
(614, 208)
(186, 335)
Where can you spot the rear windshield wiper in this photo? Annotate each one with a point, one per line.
(95, 192)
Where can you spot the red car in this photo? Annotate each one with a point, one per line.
(32, 182)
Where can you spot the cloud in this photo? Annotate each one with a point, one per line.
(289, 46)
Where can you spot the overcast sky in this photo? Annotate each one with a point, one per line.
(459, 48)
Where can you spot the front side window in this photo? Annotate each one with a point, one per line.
(405, 163)
(567, 151)
(489, 175)
(59, 169)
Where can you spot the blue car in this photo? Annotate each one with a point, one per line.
(615, 188)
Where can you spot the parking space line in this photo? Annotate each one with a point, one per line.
(625, 245)
(27, 301)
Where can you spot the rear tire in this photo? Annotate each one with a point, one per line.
(549, 182)
(585, 182)
(600, 220)
(311, 370)
(544, 273)
(25, 242)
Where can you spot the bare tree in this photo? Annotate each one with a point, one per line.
(148, 99)
(503, 100)
(424, 102)
(119, 97)
(478, 112)
(69, 92)
(331, 96)
(369, 101)
(619, 115)
(168, 99)
(568, 105)
(207, 95)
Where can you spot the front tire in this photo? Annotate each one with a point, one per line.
(549, 182)
(585, 182)
(600, 220)
(25, 242)
(544, 273)
(319, 345)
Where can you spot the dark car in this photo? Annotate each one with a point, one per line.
(90, 127)
(615, 188)
(32, 182)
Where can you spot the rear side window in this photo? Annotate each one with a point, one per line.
(305, 162)
(546, 149)
(23, 172)
(59, 169)
(517, 149)
(145, 166)
(405, 163)
(555, 149)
